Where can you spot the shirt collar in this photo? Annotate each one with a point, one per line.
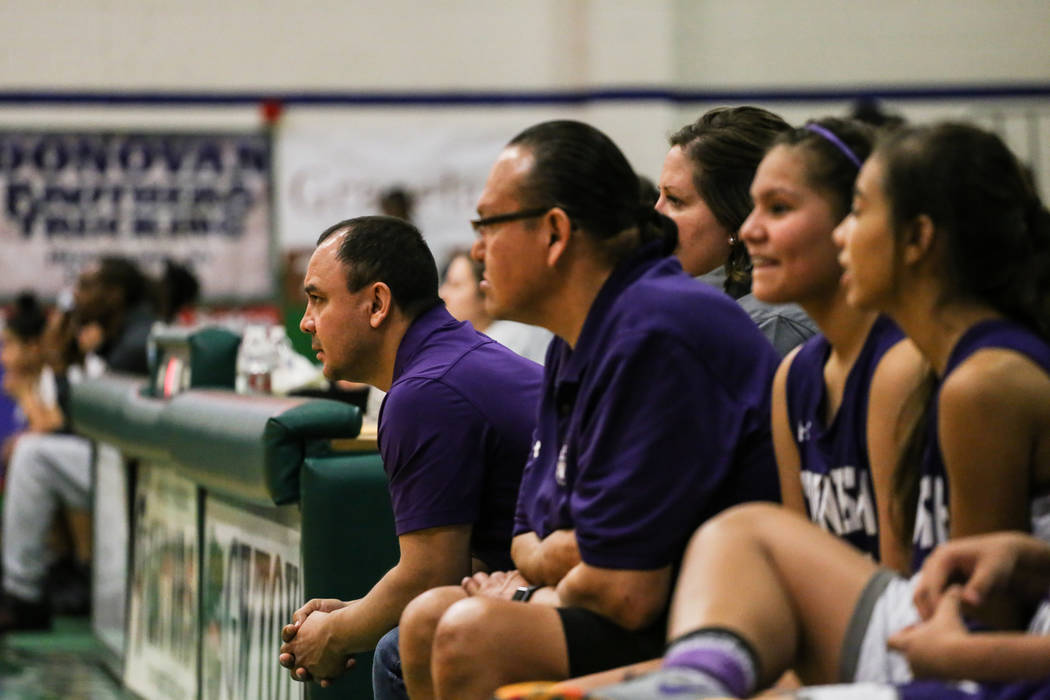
(421, 328)
(588, 343)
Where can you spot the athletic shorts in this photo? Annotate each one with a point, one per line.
(885, 607)
(596, 643)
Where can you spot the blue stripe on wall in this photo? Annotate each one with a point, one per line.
(535, 97)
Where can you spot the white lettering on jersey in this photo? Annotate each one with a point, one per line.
(833, 508)
(931, 519)
(536, 449)
(803, 430)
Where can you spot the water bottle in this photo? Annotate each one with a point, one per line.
(256, 361)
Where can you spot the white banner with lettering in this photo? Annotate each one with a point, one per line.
(200, 198)
(252, 585)
(330, 174)
(163, 625)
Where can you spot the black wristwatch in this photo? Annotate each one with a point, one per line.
(523, 593)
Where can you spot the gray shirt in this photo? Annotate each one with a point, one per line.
(786, 325)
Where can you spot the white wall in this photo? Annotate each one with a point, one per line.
(439, 44)
(766, 43)
(512, 45)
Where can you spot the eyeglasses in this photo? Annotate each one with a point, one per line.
(478, 224)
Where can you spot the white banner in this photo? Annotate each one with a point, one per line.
(163, 632)
(252, 585)
(202, 199)
(330, 174)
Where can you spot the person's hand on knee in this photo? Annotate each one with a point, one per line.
(498, 584)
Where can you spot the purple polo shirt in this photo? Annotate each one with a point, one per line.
(655, 422)
(454, 432)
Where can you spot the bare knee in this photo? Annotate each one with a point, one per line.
(749, 521)
(459, 635)
(419, 622)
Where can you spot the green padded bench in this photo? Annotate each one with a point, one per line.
(260, 453)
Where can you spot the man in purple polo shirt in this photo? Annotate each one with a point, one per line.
(454, 429)
(654, 416)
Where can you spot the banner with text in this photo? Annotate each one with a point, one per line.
(200, 198)
(252, 585)
(163, 632)
(336, 173)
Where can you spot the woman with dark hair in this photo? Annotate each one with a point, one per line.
(704, 189)
(654, 417)
(837, 397)
(948, 237)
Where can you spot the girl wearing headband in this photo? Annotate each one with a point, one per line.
(835, 399)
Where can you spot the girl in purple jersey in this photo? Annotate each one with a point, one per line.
(949, 237)
(835, 398)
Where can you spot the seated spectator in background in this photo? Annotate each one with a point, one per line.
(112, 314)
(654, 416)
(838, 397)
(397, 202)
(461, 291)
(111, 320)
(453, 429)
(177, 290)
(704, 190)
(35, 375)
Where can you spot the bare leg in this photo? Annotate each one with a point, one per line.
(780, 582)
(483, 643)
(418, 624)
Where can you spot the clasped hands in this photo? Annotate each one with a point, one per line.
(307, 648)
(498, 584)
(987, 564)
(309, 653)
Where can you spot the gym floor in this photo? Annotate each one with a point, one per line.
(63, 663)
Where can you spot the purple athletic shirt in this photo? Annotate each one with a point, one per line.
(932, 517)
(655, 422)
(454, 432)
(835, 472)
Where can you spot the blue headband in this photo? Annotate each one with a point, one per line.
(835, 141)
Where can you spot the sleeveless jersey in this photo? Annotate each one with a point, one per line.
(835, 473)
(932, 518)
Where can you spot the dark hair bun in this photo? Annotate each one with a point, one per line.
(27, 320)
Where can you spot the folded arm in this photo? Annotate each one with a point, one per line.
(631, 598)
(547, 561)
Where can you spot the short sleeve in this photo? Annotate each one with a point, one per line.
(432, 443)
(657, 451)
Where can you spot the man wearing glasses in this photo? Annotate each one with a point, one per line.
(454, 429)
